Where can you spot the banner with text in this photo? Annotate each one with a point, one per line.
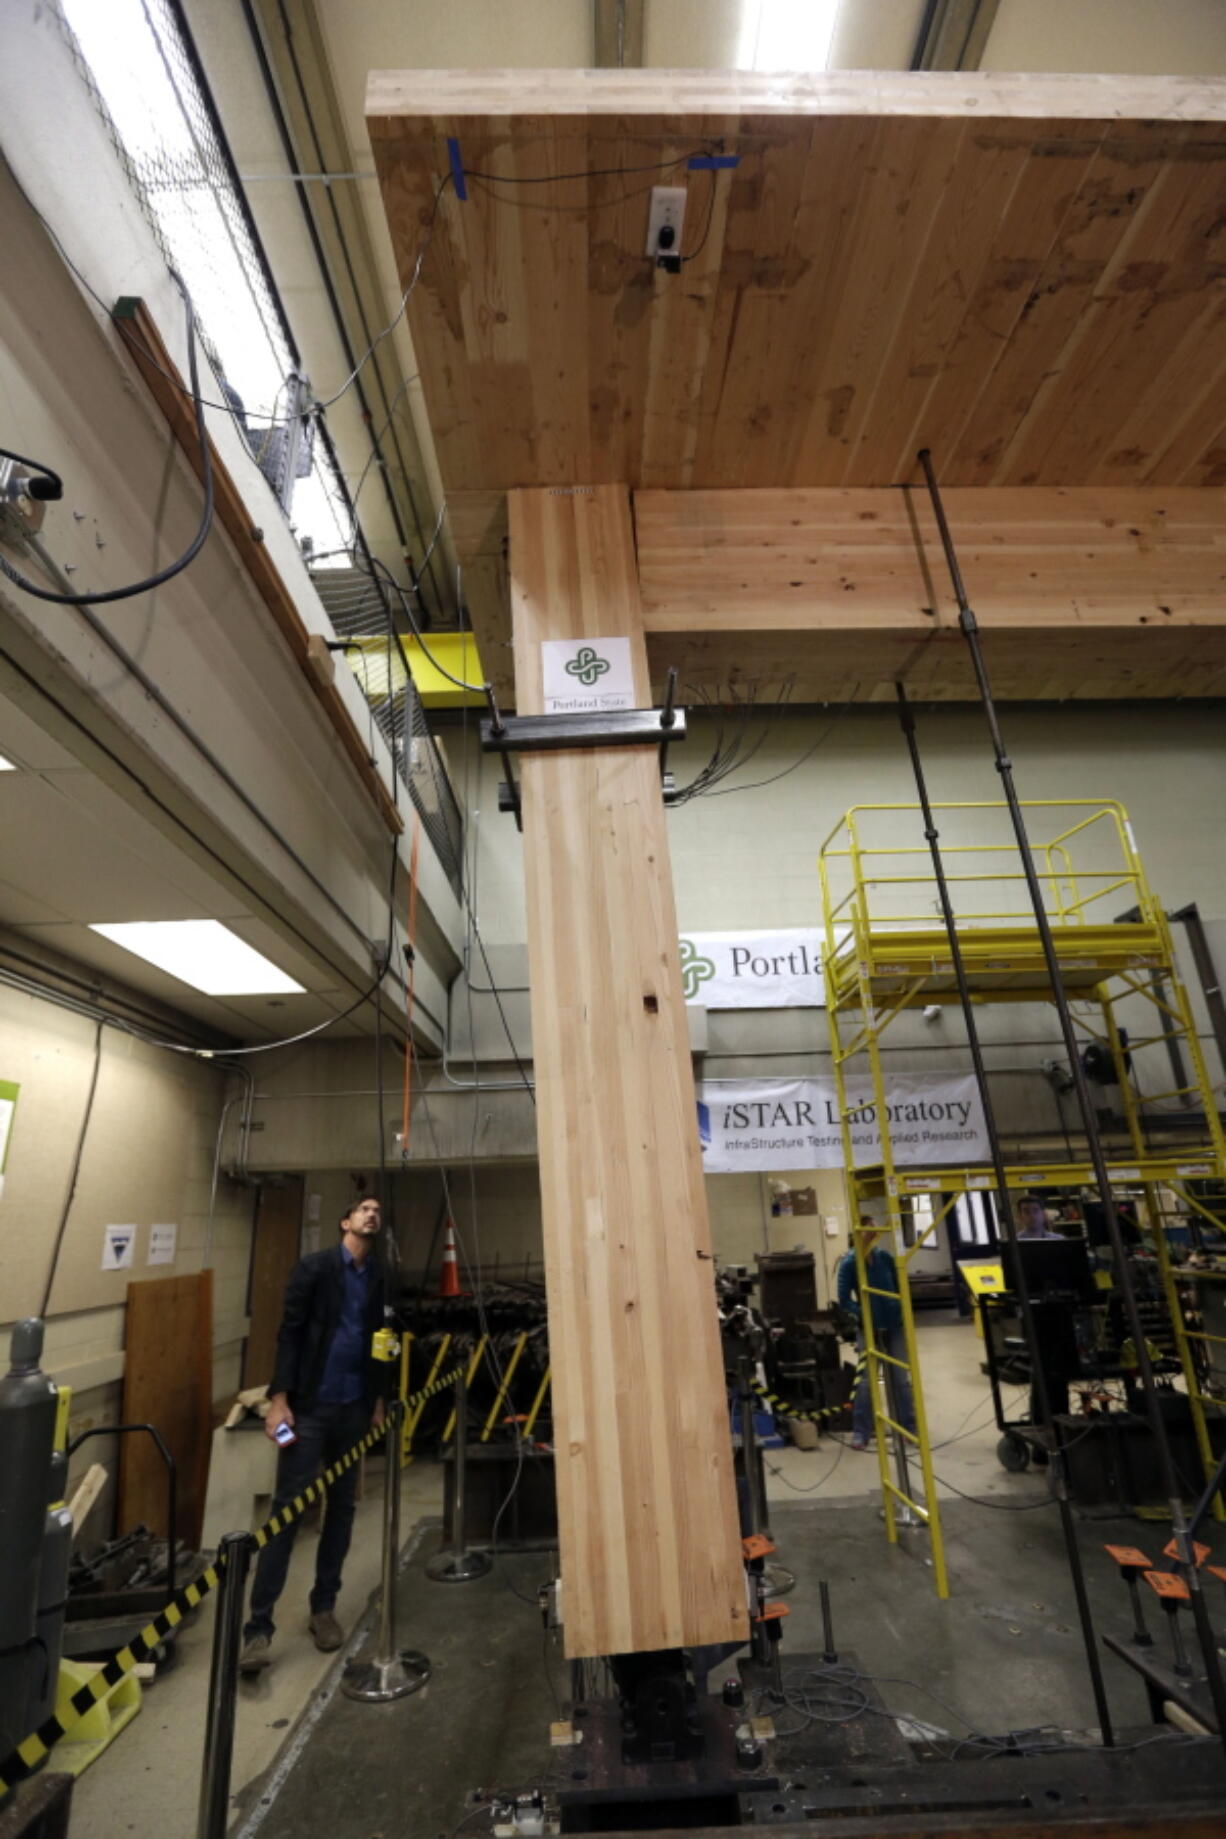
(794, 1123)
(753, 970)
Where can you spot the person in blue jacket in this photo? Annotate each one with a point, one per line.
(888, 1335)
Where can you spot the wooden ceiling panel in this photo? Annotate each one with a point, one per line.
(1020, 273)
(1026, 274)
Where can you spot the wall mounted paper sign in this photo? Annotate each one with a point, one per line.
(794, 1123)
(753, 970)
(8, 1105)
(162, 1240)
(582, 676)
(118, 1246)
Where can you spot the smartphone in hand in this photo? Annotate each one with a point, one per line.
(285, 1434)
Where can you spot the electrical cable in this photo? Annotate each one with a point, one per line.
(593, 172)
(375, 455)
(757, 784)
(46, 493)
(812, 1487)
(74, 1173)
(193, 549)
(317, 404)
(706, 228)
(326, 402)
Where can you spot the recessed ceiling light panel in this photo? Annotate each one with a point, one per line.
(202, 953)
(6, 766)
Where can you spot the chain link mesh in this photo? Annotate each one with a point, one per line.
(141, 76)
(357, 610)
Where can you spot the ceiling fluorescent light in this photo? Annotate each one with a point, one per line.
(786, 34)
(204, 954)
(6, 766)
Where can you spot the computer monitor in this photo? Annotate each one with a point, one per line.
(1049, 1265)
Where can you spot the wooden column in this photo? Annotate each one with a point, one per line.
(646, 1508)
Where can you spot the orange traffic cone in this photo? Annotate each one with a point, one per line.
(449, 1276)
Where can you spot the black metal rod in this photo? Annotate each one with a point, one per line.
(497, 727)
(668, 718)
(1206, 971)
(1004, 767)
(1216, 1481)
(1004, 1209)
(829, 1651)
(234, 1560)
(1140, 1633)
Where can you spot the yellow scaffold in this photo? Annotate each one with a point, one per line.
(887, 951)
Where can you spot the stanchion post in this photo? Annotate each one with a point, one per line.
(389, 1673)
(455, 1564)
(233, 1563)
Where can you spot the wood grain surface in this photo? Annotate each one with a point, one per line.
(167, 1382)
(646, 1511)
(1024, 273)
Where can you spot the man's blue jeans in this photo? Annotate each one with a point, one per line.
(891, 1341)
(323, 1434)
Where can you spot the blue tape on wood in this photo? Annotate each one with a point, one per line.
(457, 169)
(712, 162)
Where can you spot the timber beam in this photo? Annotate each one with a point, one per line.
(1082, 592)
(647, 1524)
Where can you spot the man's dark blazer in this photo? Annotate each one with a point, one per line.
(314, 1299)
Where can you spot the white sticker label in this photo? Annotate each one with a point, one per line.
(118, 1245)
(162, 1244)
(581, 676)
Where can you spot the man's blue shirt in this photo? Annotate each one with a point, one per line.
(342, 1382)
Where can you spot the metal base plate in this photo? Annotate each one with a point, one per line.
(450, 1567)
(377, 1681)
(598, 1776)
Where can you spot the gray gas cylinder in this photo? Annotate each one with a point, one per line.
(27, 1436)
(52, 1598)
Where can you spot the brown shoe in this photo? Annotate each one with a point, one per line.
(327, 1632)
(255, 1655)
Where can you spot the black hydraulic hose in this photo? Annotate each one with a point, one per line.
(1004, 766)
(1059, 1474)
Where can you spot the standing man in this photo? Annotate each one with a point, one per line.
(330, 1391)
(888, 1337)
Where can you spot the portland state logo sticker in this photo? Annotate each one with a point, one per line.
(695, 969)
(588, 665)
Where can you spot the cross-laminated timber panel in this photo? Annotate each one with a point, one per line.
(1025, 273)
(647, 1520)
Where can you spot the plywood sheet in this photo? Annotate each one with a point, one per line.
(167, 1382)
(646, 1510)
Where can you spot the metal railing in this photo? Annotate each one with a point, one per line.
(873, 885)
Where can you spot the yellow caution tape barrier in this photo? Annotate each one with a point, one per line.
(783, 1408)
(33, 1750)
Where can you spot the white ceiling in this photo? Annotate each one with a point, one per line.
(72, 853)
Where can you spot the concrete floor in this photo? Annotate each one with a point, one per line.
(1005, 1649)
(147, 1783)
